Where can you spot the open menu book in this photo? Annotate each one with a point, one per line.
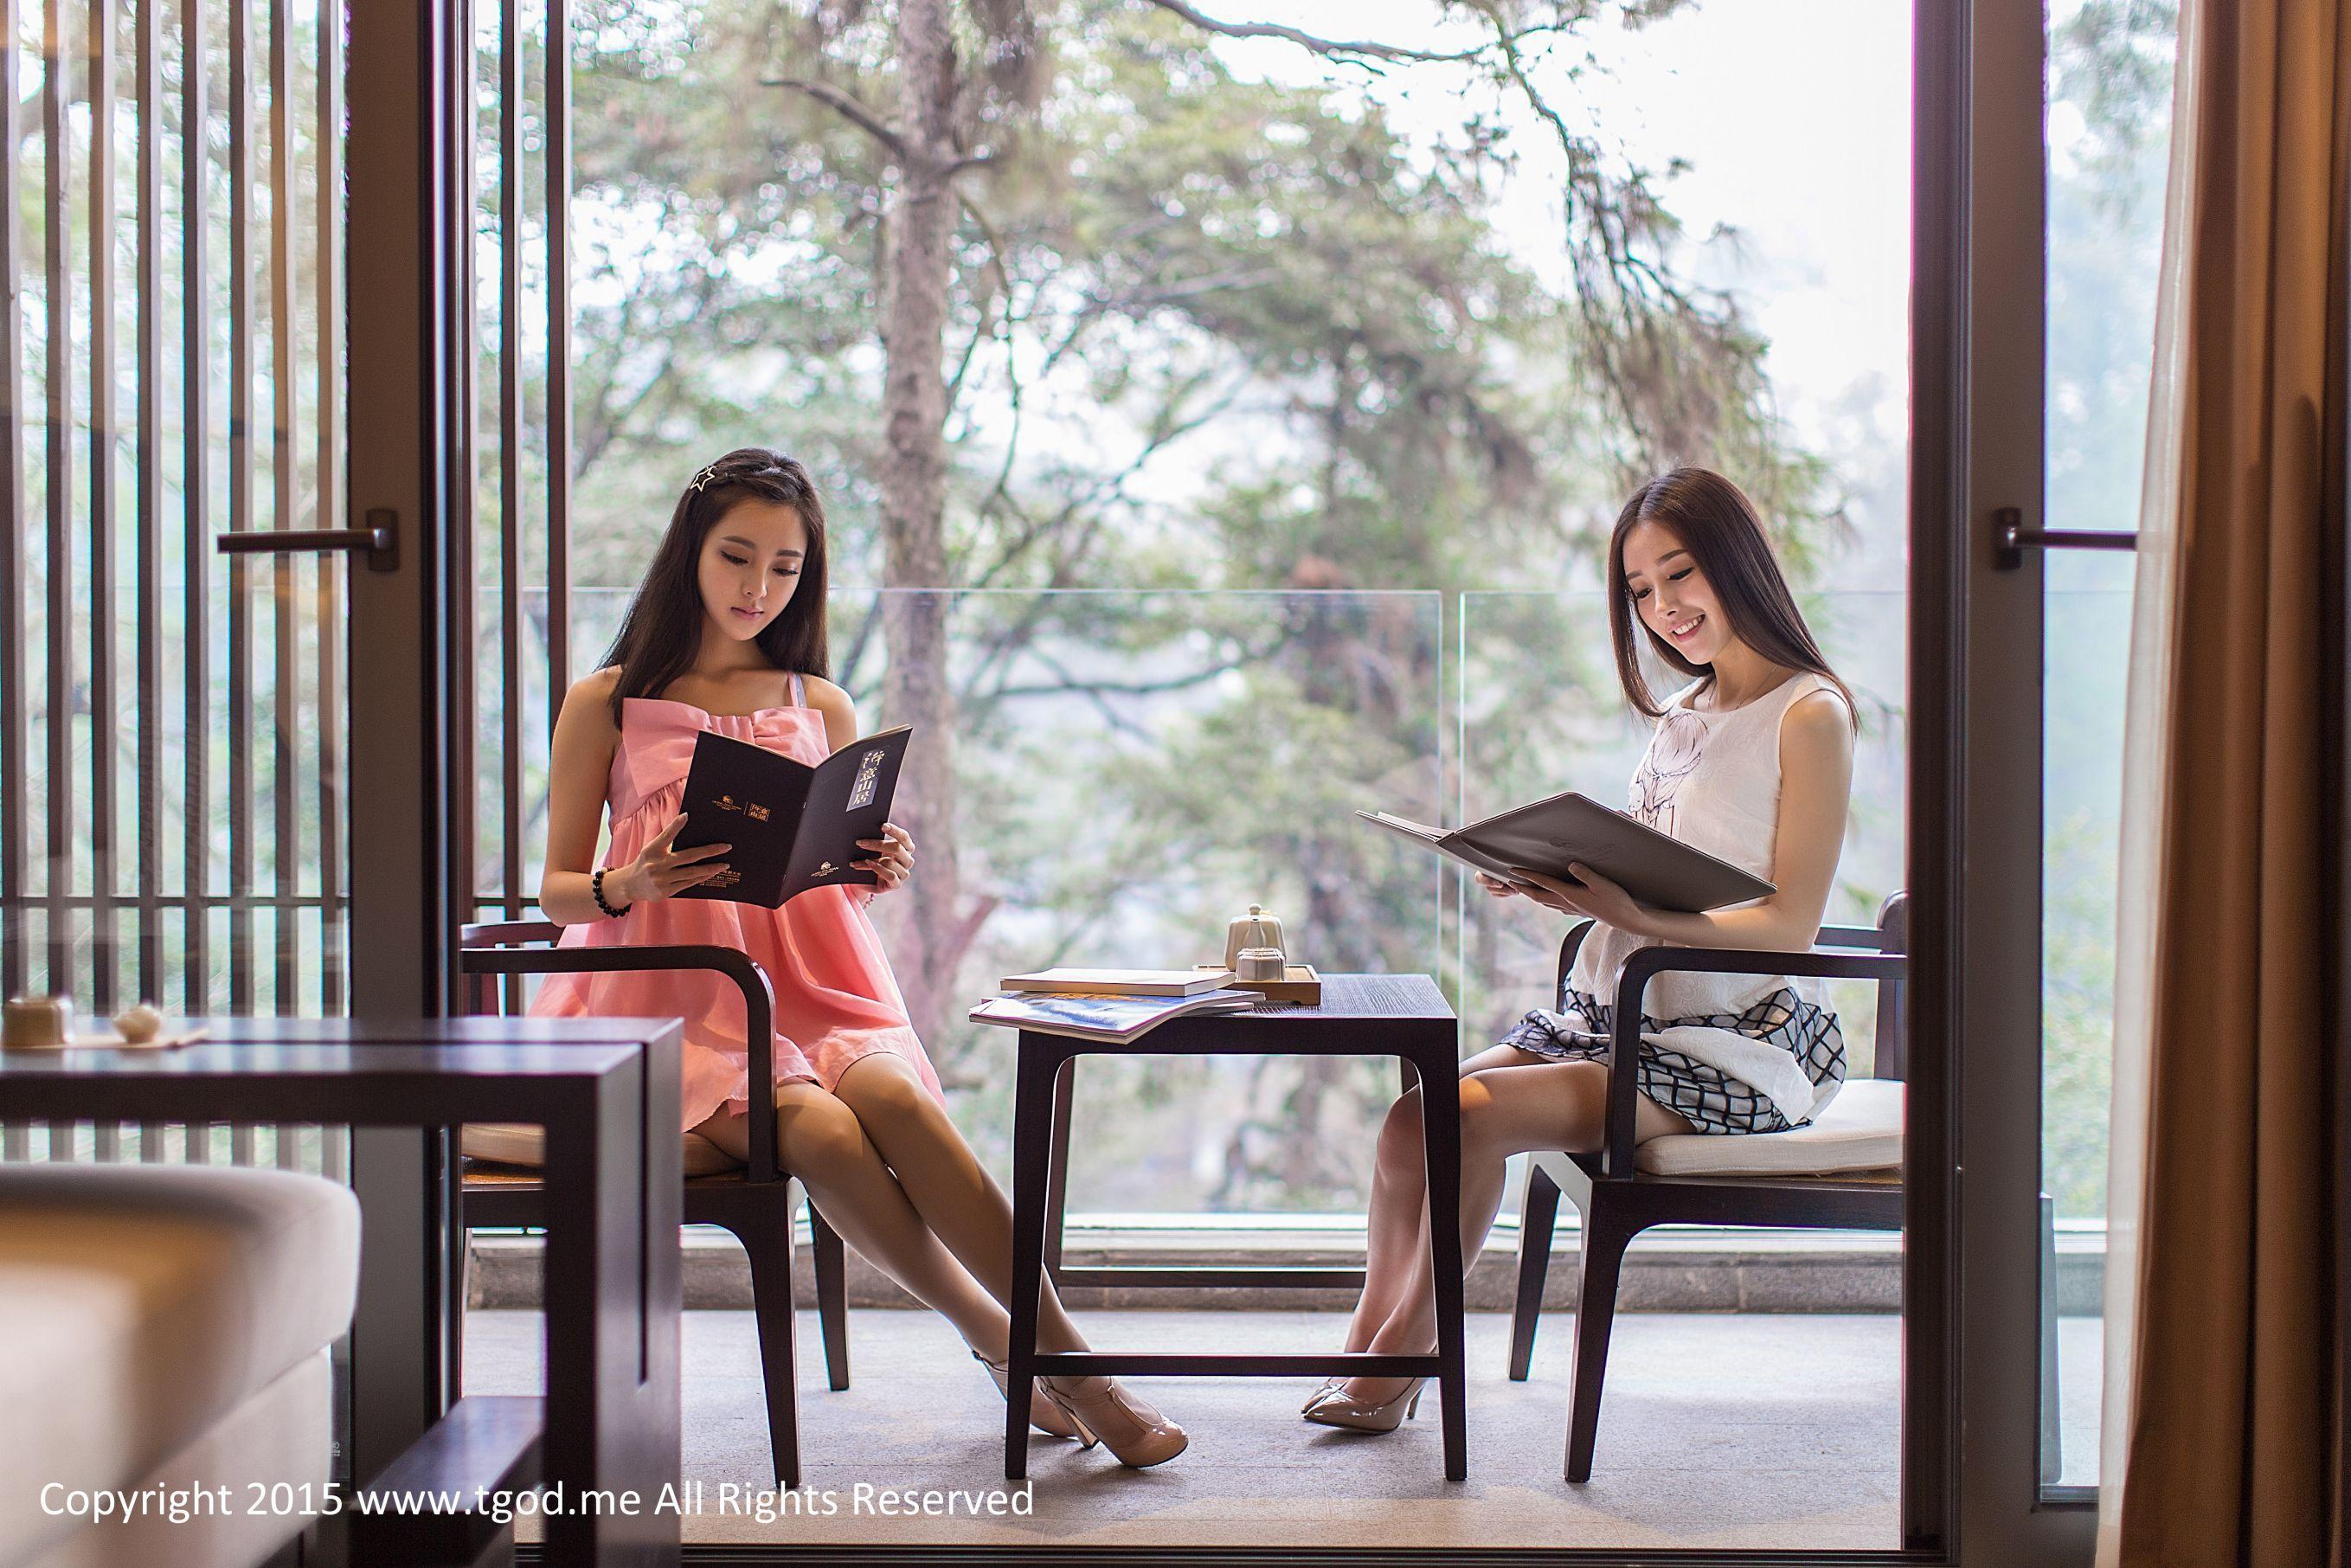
(1550, 834)
(793, 827)
(1114, 1021)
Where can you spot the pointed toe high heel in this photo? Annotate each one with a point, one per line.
(1044, 1414)
(1137, 1435)
(1337, 1409)
(1330, 1385)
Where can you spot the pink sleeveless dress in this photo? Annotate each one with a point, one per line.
(835, 998)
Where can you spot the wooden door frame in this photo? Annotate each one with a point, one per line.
(1977, 339)
(405, 226)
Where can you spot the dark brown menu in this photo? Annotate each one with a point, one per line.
(793, 827)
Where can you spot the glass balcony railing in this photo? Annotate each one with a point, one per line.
(1131, 769)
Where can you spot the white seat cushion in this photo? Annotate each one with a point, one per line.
(282, 1437)
(140, 1304)
(1860, 1131)
(525, 1144)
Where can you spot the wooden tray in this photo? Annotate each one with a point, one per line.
(108, 1039)
(1302, 985)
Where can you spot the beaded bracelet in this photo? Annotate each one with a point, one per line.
(595, 892)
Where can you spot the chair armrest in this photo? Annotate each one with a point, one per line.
(759, 1006)
(508, 933)
(1644, 964)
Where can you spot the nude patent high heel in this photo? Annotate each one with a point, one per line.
(1139, 1436)
(1044, 1414)
(1336, 1410)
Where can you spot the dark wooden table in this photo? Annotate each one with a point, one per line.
(606, 1090)
(1403, 1016)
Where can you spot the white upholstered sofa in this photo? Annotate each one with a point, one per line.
(164, 1328)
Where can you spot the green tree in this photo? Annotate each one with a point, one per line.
(1086, 311)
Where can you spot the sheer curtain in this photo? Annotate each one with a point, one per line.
(2222, 1191)
(2146, 740)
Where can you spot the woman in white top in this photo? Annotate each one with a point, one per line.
(1753, 762)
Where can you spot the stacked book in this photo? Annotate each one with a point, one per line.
(1113, 1007)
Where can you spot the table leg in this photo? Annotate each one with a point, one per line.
(1440, 1112)
(1040, 1061)
(611, 1287)
(1057, 1174)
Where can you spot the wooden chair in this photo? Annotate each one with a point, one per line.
(754, 1202)
(1841, 1172)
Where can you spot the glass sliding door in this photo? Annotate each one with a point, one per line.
(2034, 328)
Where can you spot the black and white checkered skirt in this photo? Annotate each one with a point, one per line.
(1712, 1100)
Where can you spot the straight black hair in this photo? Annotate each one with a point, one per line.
(1714, 520)
(662, 630)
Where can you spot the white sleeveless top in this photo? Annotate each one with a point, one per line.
(1712, 780)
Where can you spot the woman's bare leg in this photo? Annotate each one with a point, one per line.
(970, 1216)
(946, 1183)
(1397, 1231)
(1396, 1224)
(1504, 1111)
(822, 1143)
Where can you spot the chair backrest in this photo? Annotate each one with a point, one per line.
(1891, 1060)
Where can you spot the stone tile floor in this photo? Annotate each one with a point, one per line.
(1720, 1430)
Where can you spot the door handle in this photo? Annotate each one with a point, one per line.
(379, 541)
(2010, 539)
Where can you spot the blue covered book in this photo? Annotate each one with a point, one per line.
(1112, 1020)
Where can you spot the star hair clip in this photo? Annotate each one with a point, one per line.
(705, 477)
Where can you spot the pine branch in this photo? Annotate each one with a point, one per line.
(1355, 52)
(847, 105)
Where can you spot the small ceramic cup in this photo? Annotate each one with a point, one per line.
(139, 1024)
(1261, 964)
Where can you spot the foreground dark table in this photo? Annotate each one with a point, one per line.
(607, 1092)
(1403, 1016)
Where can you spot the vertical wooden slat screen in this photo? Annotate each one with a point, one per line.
(16, 731)
(195, 484)
(558, 122)
(240, 506)
(500, 812)
(285, 850)
(104, 644)
(464, 617)
(286, 685)
(172, 718)
(105, 880)
(136, 676)
(55, 242)
(149, 459)
(511, 710)
(326, 142)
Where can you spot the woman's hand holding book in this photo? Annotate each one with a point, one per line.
(892, 861)
(660, 872)
(1591, 894)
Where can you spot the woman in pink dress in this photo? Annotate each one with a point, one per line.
(727, 634)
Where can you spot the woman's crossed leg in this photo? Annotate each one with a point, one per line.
(1512, 1101)
(891, 1174)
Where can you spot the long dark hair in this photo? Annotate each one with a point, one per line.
(662, 630)
(1713, 520)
